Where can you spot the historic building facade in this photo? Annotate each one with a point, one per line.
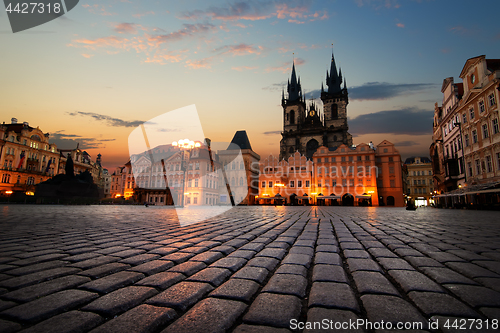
(26, 158)
(466, 141)
(191, 174)
(420, 185)
(361, 175)
(306, 127)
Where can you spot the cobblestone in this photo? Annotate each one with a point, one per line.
(251, 270)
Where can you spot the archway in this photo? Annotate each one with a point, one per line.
(311, 148)
(390, 200)
(347, 200)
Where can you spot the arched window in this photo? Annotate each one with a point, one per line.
(233, 182)
(292, 117)
(291, 150)
(241, 181)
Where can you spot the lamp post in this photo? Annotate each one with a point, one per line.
(185, 146)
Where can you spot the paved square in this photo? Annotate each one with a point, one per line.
(253, 269)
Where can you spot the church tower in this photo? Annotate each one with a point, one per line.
(304, 130)
(335, 101)
(294, 110)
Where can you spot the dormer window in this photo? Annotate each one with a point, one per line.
(473, 79)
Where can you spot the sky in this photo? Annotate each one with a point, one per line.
(95, 74)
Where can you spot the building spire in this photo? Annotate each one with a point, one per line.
(293, 85)
(333, 80)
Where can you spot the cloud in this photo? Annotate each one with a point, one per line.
(110, 121)
(405, 121)
(400, 25)
(275, 86)
(240, 49)
(70, 141)
(197, 64)
(98, 9)
(150, 44)
(140, 15)
(384, 90)
(378, 4)
(406, 143)
(272, 133)
(258, 10)
(85, 55)
(188, 30)
(285, 67)
(126, 28)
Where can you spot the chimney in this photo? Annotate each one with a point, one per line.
(26, 124)
(14, 120)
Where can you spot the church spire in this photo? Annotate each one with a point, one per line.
(333, 80)
(293, 88)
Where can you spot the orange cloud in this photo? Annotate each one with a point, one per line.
(98, 9)
(140, 15)
(286, 67)
(239, 50)
(400, 25)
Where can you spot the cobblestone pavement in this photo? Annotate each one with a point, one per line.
(254, 269)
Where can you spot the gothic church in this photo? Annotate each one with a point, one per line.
(305, 128)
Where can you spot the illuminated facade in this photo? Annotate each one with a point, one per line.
(361, 175)
(420, 185)
(26, 158)
(466, 143)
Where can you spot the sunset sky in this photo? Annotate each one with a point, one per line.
(96, 73)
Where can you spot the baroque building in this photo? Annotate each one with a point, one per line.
(420, 186)
(466, 142)
(306, 127)
(26, 158)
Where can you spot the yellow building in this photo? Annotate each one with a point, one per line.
(26, 158)
(420, 186)
(362, 175)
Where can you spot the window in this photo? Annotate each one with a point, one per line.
(464, 118)
(478, 167)
(481, 106)
(299, 183)
(342, 158)
(334, 182)
(414, 182)
(471, 113)
(195, 200)
(494, 124)
(469, 167)
(367, 158)
(430, 173)
(5, 178)
(344, 182)
(393, 183)
(271, 184)
(466, 140)
(333, 159)
(391, 159)
(307, 183)
(263, 185)
(474, 136)
(319, 160)
(319, 184)
(385, 150)
(391, 169)
(498, 161)
(359, 158)
(485, 131)
(489, 167)
(326, 159)
(351, 158)
(491, 98)
(351, 182)
(196, 183)
(292, 183)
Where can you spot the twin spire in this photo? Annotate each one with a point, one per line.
(333, 81)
